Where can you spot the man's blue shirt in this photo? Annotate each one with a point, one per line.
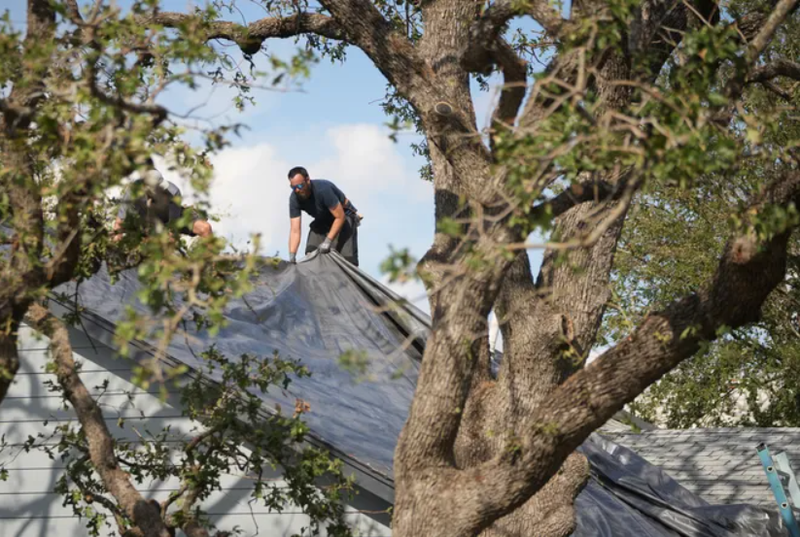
(324, 197)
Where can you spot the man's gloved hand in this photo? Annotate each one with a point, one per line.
(325, 247)
(293, 258)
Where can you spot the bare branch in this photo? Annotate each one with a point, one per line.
(101, 443)
(611, 216)
(250, 37)
(158, 112)
(577, 194)
(775, 19)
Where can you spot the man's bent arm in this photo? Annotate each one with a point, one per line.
(294, 235)
(338, 222)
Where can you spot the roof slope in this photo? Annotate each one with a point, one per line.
(312, 312)
(721, 465)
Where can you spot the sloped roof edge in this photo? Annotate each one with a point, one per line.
(98, 329)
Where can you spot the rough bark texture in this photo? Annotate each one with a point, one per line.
(20, 274)
(548, 329)
(9, 360)
(144, 514)
(478, 455)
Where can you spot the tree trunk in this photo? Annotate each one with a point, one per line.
(9, 358)
(145, 515)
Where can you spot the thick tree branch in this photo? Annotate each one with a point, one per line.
(158, 112)
(9, 360)
(763, 37)
(13, 115)
(144, 514)
(512, 94)
(775, 19)
(191, 527)
(363, 25)
(747, 274)
(390, 51)
(577, 194)
(73, 11)
(486, 43)
(250, 37)
(489, 26)
(780, 67)
(65, 257)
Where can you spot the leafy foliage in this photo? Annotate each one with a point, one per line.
(81, 113)
(675, 233)
(231, 433)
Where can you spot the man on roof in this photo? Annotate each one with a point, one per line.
(153, 203)
(335, 221)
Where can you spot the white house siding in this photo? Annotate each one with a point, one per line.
(29, 508)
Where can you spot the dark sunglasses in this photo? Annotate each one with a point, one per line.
(301, 186)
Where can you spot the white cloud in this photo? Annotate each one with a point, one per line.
(368, 164)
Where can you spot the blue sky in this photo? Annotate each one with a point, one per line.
(336, 128)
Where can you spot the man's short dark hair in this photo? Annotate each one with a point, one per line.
(298, 169)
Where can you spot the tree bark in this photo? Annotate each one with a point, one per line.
(144, 514)
(20, 273)
(9, 359)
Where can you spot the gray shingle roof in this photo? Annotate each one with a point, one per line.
(721, 465)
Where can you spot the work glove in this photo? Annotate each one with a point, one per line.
(293, 258)
(325, 247)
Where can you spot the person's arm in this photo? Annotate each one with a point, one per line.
(294, 230)
(338, 221)
(294, 238)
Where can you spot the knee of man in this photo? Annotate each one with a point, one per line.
(202, 228)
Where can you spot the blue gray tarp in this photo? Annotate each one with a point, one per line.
(323, 307)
